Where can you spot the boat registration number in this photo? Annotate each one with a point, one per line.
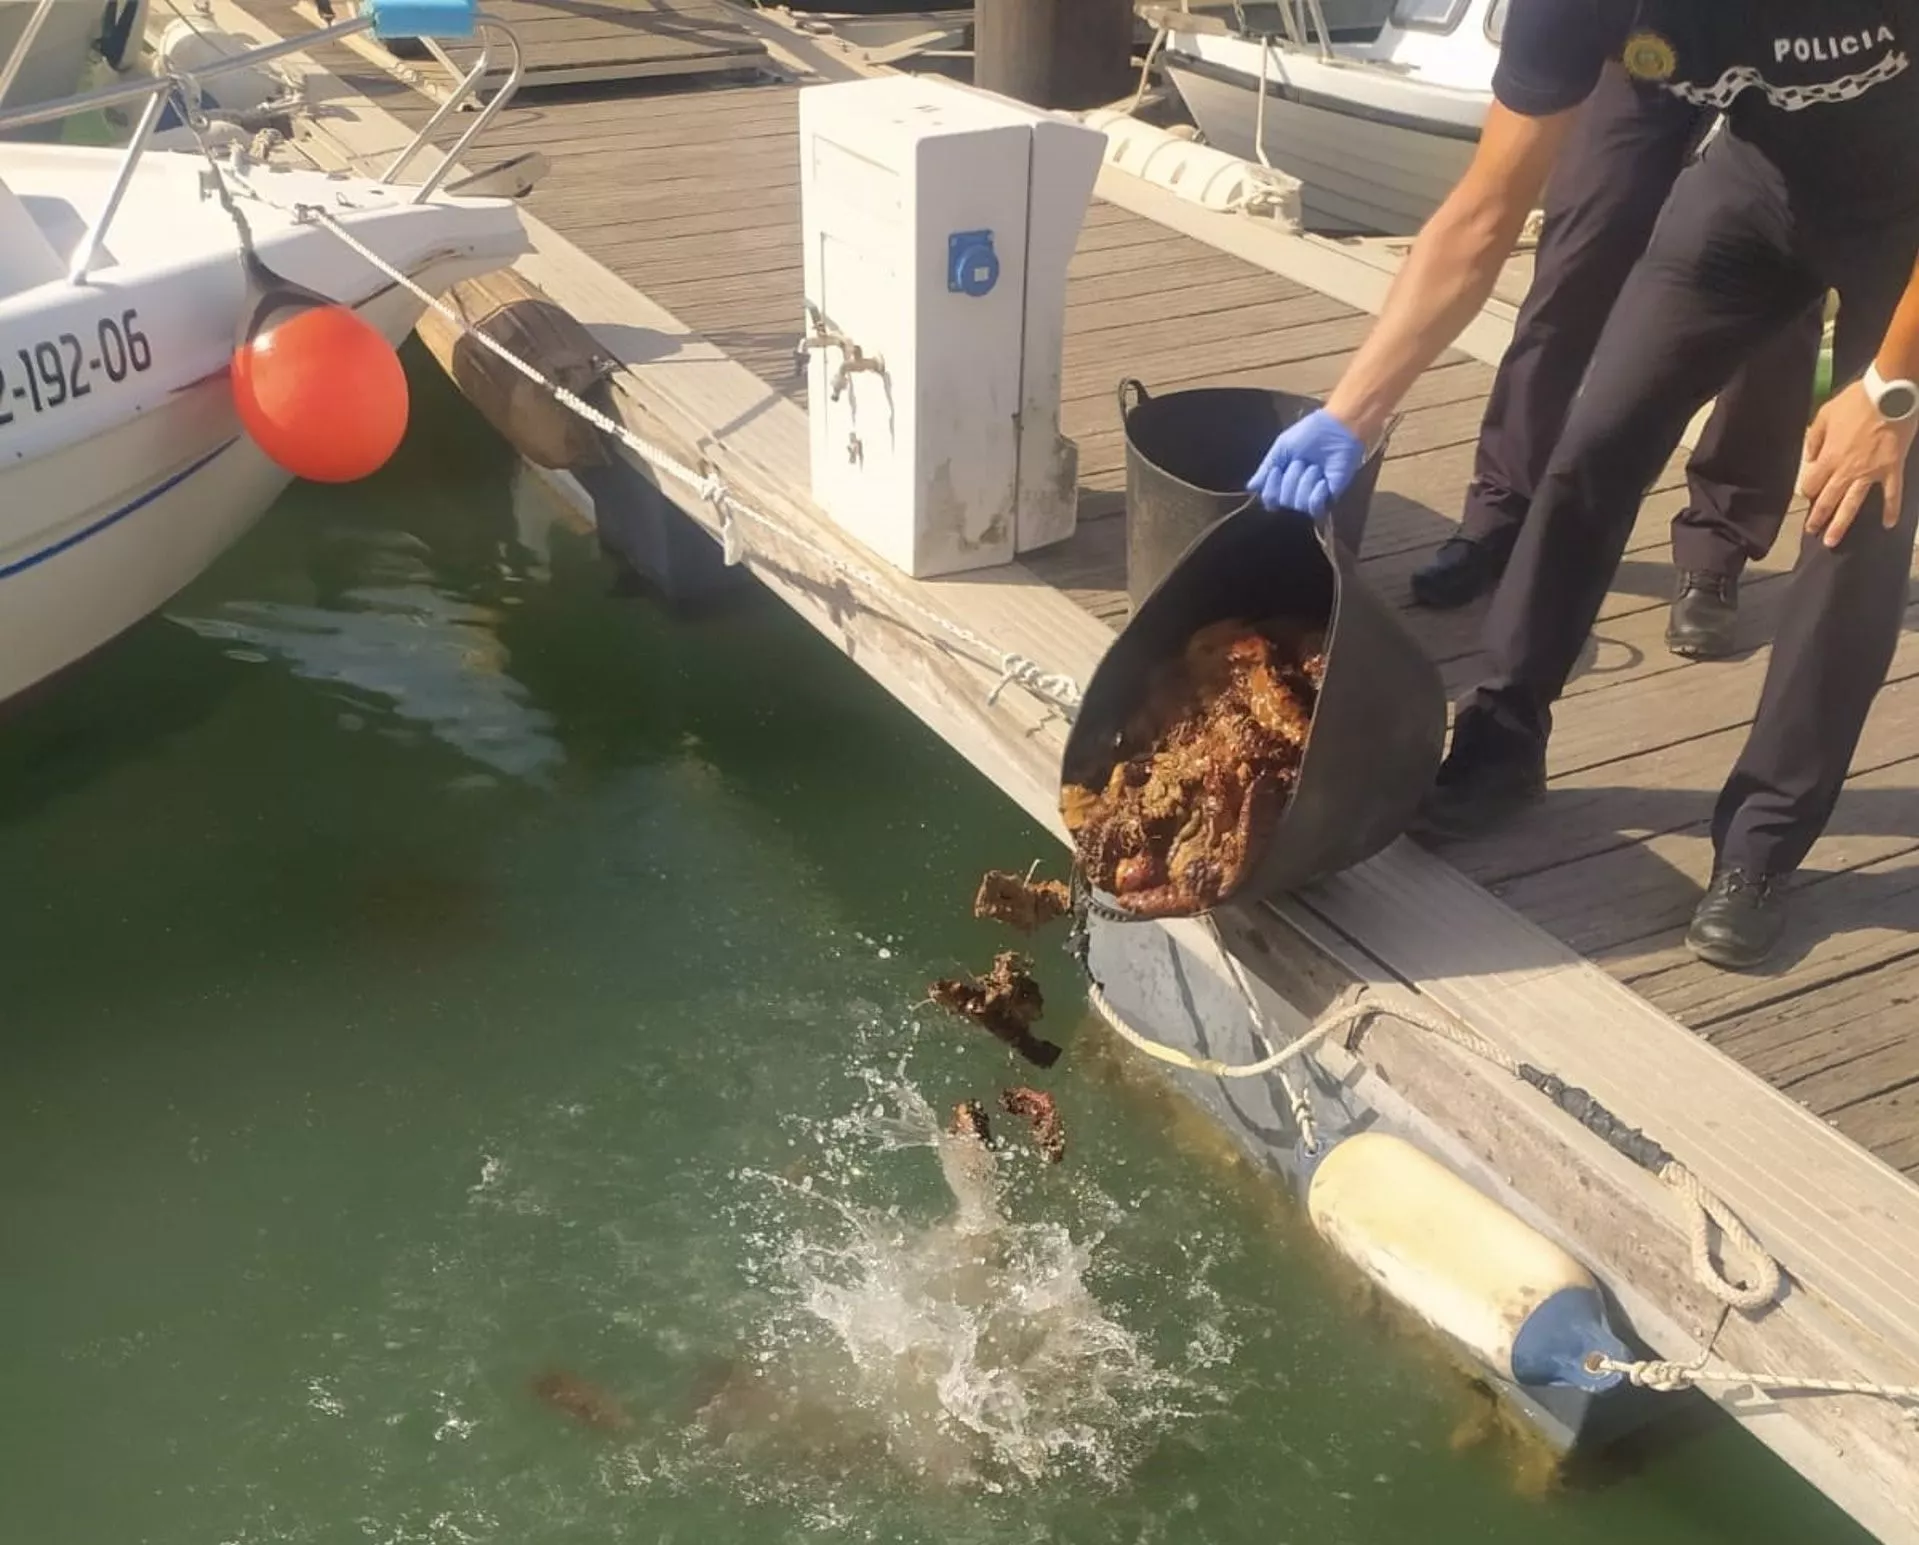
(63, 369)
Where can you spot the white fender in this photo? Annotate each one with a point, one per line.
(187, 48)
(1199, 173)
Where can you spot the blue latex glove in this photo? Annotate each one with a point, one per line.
(1309, 466)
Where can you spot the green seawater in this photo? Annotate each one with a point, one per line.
(430, 966)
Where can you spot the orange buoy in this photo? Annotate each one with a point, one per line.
(323, 393)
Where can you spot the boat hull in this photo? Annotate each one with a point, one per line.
(159, 498)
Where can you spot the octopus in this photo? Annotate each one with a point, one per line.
(586, 1403)
(1039, 1109)
(1202, 772)
(1020, 901)
(1006, 1002)
(970, 1121)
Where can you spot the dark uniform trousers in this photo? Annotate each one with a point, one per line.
(1731, 264)
(1625, 152)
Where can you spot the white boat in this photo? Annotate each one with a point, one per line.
(124, 470)
(1376, 114)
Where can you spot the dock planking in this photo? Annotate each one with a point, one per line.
(1614, 859)
(1845, 1225)
(581, 42)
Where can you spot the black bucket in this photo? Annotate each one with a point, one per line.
(1188, 456)
(1379, 726)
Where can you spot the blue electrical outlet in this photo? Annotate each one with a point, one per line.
(972, 266)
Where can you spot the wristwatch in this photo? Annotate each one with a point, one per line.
(1896, 401)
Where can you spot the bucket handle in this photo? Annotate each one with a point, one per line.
(1132, 385)
(1322, 524)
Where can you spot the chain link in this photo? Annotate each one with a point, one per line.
(1720, 93)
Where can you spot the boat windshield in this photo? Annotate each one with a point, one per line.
(1428, 15)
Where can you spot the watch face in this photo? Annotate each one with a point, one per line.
(1898, 401)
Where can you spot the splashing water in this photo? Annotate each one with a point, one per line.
(967, 1350)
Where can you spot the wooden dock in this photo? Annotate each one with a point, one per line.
(585, 42)
(670, 225)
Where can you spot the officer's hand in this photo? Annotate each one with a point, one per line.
(1309, 466)
(1850, 449)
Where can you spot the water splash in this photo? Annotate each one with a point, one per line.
(966, 1350)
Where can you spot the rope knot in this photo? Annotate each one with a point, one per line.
(1059, 690)
(1707, 1211)
(712, 489)
(1660, 1374)
(1303, 1120)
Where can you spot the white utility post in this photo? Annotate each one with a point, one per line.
(939, 222)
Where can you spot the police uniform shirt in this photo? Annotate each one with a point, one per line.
(1826, 90)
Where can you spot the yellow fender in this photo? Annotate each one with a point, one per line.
(1462, 1262)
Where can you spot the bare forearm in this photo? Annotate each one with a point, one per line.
(1447, 278)
(1898, 357)
(1452, 267)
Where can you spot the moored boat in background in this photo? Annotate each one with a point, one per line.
(1376, 114)
(124, 468)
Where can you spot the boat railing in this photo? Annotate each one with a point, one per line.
(1302, 24)
(155, 91)
(1316, 13)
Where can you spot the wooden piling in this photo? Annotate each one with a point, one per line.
(1070, 54)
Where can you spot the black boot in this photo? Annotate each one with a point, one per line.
(1464, 569)
(1705, 616)
(1738, 922)
(1490, 774)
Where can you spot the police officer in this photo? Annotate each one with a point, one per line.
(1813, 185)
(1629, 143)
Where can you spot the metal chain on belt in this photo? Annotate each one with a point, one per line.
(1721, 92)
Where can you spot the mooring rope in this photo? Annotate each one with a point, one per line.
(1669, 1377)
(1056, 688)
(1704, 1209)
(1160, 35)
(183, 89)
(1297, 1097)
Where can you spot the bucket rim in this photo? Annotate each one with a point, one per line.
(1380, 446)
(1145, 398)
